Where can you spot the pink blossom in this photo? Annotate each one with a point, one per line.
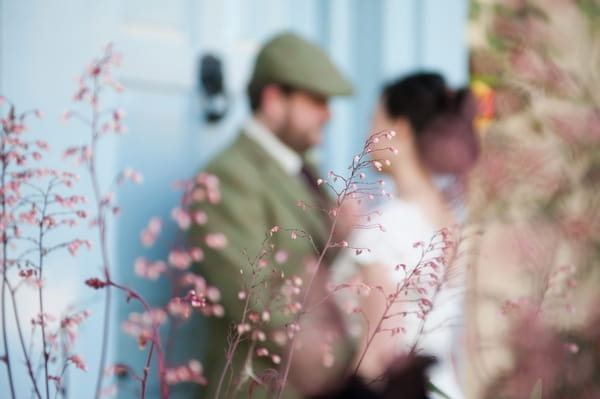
(243, 328)
(200, 217)
(118, 114)
(154, 225)
(74, 245)
(54, 378)
(192, 372)
(80, 94)
(181, 217)
(265, 316)
(78, 361)
(180, 259)
(118, 87)
(217, 310)
(70, 151)
(120, 128)
(195, 300)
(196, 254)
(254, 317)
(213, 294)
(95, 283)
(65, 116)
(116, 59)
(107, 199)
(215, 240)
(260, 352)
(179, 308)
(81, 214)
(132, 175)
(29, 217)
(147, 238)
(149, 235)
(276, 359)
(27, 273)
(148, 270)
(281, 256)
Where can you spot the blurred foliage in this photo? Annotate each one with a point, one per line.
(539, 179)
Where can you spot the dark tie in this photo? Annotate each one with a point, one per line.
(311, 181)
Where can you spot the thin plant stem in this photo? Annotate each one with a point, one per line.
(22, 342)
(389, 303)
(231, 350)
(144, 380)
(342, 195)
(5, 280)
(46, 354)
(164, 390)
(290, 354)
(103, 245)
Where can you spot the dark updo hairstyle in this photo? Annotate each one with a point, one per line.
(441, 119)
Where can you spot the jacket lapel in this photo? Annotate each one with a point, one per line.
(288, 190)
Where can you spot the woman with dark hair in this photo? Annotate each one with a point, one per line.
(434, 136)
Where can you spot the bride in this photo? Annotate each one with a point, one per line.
(436, 143)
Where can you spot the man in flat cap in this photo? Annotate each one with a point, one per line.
(262, 180)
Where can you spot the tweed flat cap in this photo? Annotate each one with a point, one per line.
(291, 60)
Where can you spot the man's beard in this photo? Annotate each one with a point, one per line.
(285, 132)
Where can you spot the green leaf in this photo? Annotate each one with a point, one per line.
(432, 388)
(536, 393)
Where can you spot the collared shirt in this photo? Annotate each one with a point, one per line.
(289, 159)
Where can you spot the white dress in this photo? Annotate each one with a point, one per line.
(405, 224)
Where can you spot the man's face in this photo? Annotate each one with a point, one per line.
(301, 120)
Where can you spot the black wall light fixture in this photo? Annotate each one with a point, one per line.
(212, 91)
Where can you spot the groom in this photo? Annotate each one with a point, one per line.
(264, 176)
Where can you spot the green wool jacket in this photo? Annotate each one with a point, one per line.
(256, 195)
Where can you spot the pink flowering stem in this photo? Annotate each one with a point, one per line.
(6, 285)
(160, 357)
(349, 189)
(400, 287)
(26, 354)
(144, 379)
(103, 241)
(46, 353)
(4, 277)
(231, 350)
(329, 244)
(438, 288)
